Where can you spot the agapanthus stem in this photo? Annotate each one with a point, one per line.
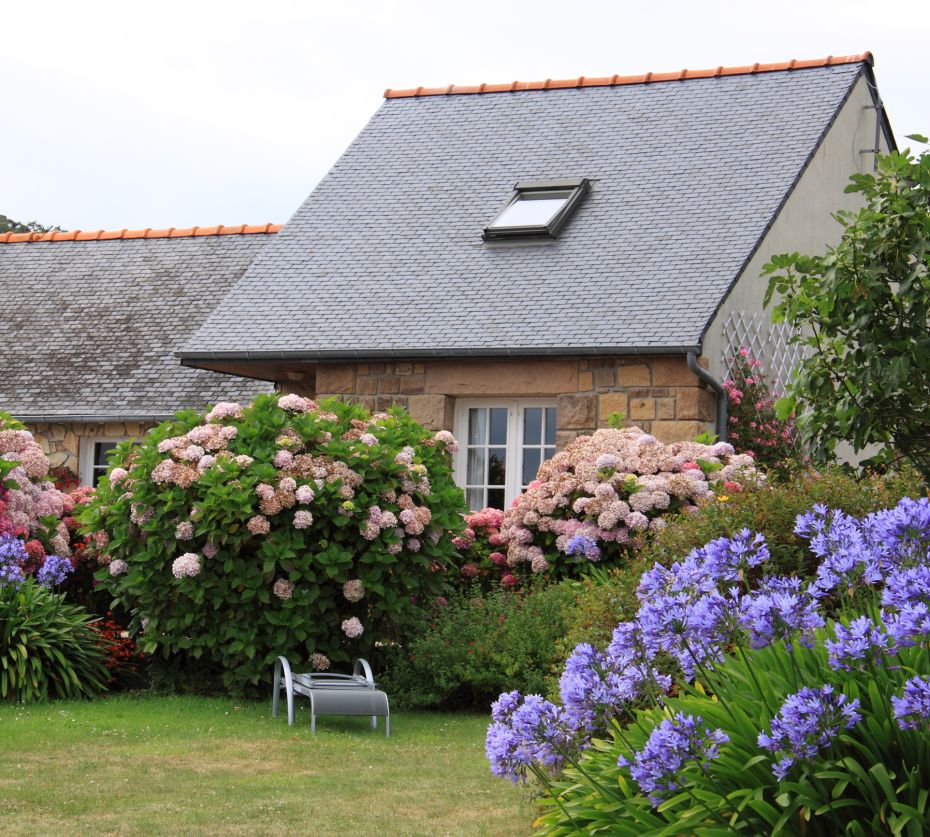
(540, 775)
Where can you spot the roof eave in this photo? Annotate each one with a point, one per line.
(192, 358)
(89, 418)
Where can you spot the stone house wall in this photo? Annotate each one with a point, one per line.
(659, 394)
(62, 441)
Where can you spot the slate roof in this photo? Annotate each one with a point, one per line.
(92, 321)
(385, 258)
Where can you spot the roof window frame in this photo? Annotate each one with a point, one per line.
(577, 189)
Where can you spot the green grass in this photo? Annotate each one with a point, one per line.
(141, 764)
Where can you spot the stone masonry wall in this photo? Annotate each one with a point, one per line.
(62, 441)
(659, 394)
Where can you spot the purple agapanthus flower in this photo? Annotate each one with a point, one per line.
(728, 559)
(526, 733)
(912, 710)
(12, 556)
(902, 533)
(807, 722)
(54, 571)
(860, 643)
(849, 557)
(780, 609)
(908, 586)
(688, 576)
(673, 745)
(693, 631)
(584, 545)
(909, 626)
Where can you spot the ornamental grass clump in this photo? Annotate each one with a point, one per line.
(595, 500)
(737, 701)
(286, 527)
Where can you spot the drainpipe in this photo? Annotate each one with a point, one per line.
(717, 387)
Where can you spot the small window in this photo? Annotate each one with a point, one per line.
(537, 209)
(505, 442)
(94, 455)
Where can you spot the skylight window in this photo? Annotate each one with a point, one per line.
(537, 209)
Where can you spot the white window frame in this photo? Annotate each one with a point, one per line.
(86, 455)
(513, 483)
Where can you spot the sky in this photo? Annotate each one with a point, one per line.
(133, 115)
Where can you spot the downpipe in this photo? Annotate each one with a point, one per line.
(717, 387)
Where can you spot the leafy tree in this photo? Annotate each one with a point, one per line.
(862, 311)
(9, 225)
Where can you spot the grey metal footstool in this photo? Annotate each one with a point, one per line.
(332, 694)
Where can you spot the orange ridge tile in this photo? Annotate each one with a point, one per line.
(109, 235)
(617, 80)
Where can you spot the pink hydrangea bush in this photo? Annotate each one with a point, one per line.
(31, 507)
(483, 551)
(286, 527)
(596, 500)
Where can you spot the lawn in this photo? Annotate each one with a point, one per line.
(132, 765)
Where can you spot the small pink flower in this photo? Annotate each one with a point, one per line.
(258, 525)
(283, 458)
(223, 410)
(187, 566)
(118, 475)
(118, 567)
(184, 531)
(283, 588)
(352, 628)
(368, 439)
(353, 590)
(303, 519)
(320, 662)
(305, 494)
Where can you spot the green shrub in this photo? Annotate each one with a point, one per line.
(772, 509)
(480, 644)
(48, 649)
(285, 527)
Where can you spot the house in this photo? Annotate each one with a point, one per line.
(91, 325)
(518, 262)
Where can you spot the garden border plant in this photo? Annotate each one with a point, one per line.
(285, 527)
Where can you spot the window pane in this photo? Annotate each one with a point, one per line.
(101, 449)
(497, 468)
(498, 425)
(532, 425)
(531, 211)
(477, 426)
(548, 453)
(476, 470)
(496, 498)
(475, 498)
(530, 464)
(550, 425)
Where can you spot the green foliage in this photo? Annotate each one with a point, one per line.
(48, 649)
(616, 420)
(599, 601)
(862, 309)
(872, 781)
(772, 510)
(229, 564)
(9, 225)
(480, 644)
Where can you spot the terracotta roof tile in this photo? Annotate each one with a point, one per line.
(109, 235)
(616, 80)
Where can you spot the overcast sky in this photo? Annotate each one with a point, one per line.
(141, 114)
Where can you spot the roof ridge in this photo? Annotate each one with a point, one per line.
(110, 235)
(617, 80)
